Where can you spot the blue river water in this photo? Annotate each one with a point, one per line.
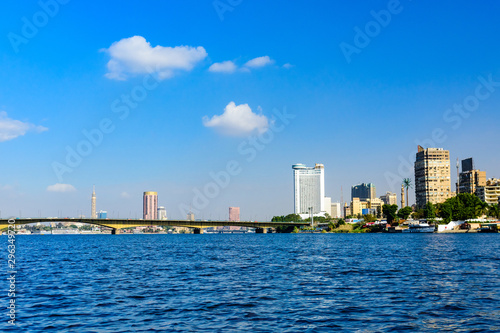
(256, 283)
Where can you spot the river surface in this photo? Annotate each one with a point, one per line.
(256, 283)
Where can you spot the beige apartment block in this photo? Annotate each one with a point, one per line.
(471, 180)
(490, 193)
(432, 176)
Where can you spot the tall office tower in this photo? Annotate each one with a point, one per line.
(234, 214)
(432, 176)
(93, 212)
(470, 178)
(309, 188)
(389, 198)
(364, 192)
(190, 216)
(162, 213)
(150, 206)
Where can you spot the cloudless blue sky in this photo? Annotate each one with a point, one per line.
(359, 119)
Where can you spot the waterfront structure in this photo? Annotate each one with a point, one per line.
(162, 213)
(470, 178)
(432, 176)
(309, 189)
(150, 206)
(389, 198)
(93, 213)
(490, 192)
(234, 214)
(336, 212)
(190, 216)
(103, 215)
(364, 192)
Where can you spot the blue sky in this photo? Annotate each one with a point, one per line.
(361, 115)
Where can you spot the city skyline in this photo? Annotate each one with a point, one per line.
(69, 95)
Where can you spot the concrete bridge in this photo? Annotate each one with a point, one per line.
(117, 224)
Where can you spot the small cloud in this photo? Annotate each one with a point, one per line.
(223, 67)
(61, 188)
(288, 66)
(237, 120)
(134, 55)
(125, 195)
(259, 62)
(11, 128)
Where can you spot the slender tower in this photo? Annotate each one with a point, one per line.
(93, 212)
(458, 177)
(403, 202)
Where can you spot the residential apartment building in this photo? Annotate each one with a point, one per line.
(490, 193)
(432, 176)
(389, 198)
(470, 178)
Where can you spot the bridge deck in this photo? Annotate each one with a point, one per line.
(128, 223)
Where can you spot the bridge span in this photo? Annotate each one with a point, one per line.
(117, 224)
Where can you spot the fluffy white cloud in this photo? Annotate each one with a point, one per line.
(11, 128)
(223, 67)
(135, 55)
(237, 120)
(125, 195)
(259, 62)
(288, 66)
(61, 188)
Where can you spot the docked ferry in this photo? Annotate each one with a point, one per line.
(420, 227)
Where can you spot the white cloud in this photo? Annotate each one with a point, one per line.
(288, 66)
(125, 195)
(11, 128)
(259, 62)
(237, 120)
(61, 188)
(223, 67)
(135, 55)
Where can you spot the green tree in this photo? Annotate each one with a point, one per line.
(494, 211)
(369, 218)
(390, 212)
(379, 212)
(462, 207)
(341, 221)
(429, 211)
(405, 212)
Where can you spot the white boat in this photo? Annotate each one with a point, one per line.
(420, 227)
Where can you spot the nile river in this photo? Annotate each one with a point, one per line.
(256, 283)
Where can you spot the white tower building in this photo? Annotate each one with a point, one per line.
(162, 213)
(309, 189)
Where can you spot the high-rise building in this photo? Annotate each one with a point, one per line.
(490, 192)
(432, 176)
(103, 214)
(328, 205)
(190, 216)
(389, 198)
(234, 214)
(470, 178)
(364, 192)
(93, 212)
(150, 206)
(162, 213)
(309, 189)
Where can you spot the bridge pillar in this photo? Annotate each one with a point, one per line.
(261, 230)
(198, 231)
(115, 231)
